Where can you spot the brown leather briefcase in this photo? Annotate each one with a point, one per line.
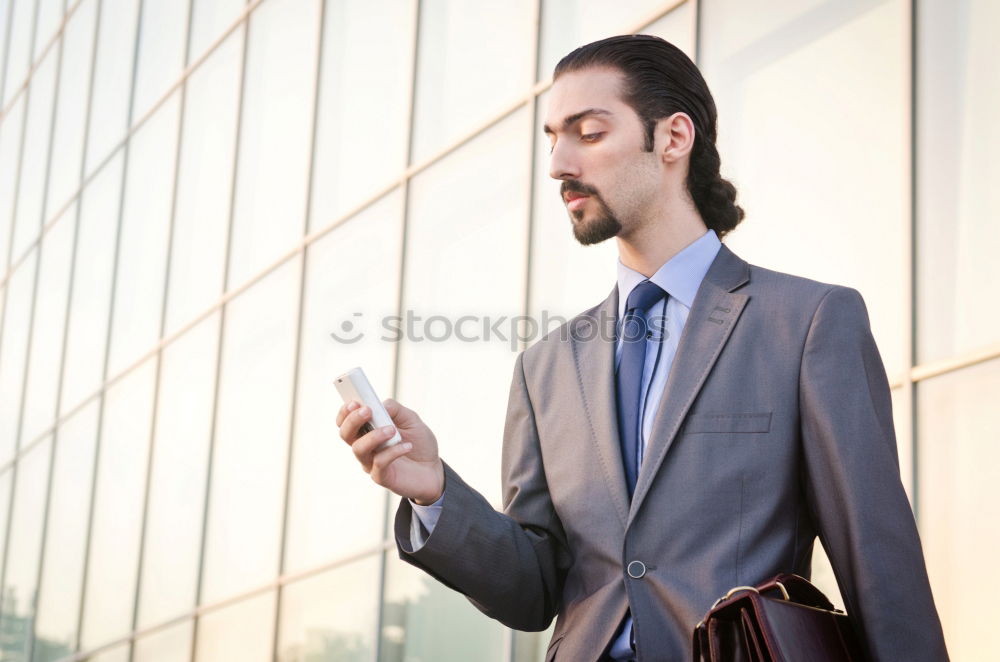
(796, 622)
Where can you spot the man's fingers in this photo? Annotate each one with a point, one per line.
(389, 455)
(344, 410)
(368, 445)
(352, 423)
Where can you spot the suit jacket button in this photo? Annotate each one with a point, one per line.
(636, 569)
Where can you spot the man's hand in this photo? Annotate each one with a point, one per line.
(411, 468)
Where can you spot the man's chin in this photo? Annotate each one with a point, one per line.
(593, 231)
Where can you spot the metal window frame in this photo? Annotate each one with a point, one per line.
(3, 312)
(81, 615)
(297, 351)
(133, 126)
(62, 365)
(158, 372)
(30, 636)
(34, 61)
(214, 425)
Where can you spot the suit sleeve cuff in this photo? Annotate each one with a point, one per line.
(423, 524)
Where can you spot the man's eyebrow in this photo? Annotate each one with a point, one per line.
(570, 120)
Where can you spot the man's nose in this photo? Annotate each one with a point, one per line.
(562, 165)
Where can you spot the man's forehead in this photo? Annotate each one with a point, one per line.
(586, 93)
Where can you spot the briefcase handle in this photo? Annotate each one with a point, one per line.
(738, 589)
(799, 589)
(793, 588)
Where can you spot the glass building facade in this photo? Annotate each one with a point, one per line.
(210, 208)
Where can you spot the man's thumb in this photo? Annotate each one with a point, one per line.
(400, 415)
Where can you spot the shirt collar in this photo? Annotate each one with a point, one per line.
(680, 276)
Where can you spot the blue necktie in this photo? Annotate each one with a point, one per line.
(635, 330)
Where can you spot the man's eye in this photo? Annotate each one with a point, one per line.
(589, 138)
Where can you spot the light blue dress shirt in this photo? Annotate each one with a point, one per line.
(680, 277)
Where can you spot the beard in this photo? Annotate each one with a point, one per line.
(604, 225)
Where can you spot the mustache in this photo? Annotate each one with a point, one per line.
(575, 186)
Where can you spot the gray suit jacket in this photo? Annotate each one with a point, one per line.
(775, 427)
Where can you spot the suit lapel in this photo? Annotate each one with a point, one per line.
(593, 338)
(713, 315)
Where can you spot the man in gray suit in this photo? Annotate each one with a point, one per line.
(695, 431)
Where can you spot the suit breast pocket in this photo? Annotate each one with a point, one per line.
(739, 422)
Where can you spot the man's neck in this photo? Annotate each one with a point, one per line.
(650, 246)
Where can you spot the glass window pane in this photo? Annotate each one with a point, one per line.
(423, 619)
(86, 338)
(162, 37)
(958, 471)
(5, 14)
(143, 239)
(48, 329)
(14, 352)
(243, 631)
(204, 184)
(532, 646)
(957, 205)
(210, 18)
(466, 246)
(35, 158)
(334, 507)
(176, 507)
(273, 173)
(6, 479)
(66, 536)
(251, 436)
(71, 113)
(21, 570)
(816, 207)
(823, 577)
(10, 154)
(332, 616)
(112, 78)
(364, 103)
(678, 26)
(567, 24)
(50, 13)
(170, 645)
(116, 654)
(19, 47)
(462, 78)
(118, 504)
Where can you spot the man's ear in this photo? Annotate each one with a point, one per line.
(674, 137)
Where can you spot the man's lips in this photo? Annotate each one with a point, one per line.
(575, 200)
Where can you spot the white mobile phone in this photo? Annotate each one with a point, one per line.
(354, 385)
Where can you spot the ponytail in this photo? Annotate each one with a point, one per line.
(714, 197)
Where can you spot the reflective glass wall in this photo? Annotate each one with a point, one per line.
(209, 208)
